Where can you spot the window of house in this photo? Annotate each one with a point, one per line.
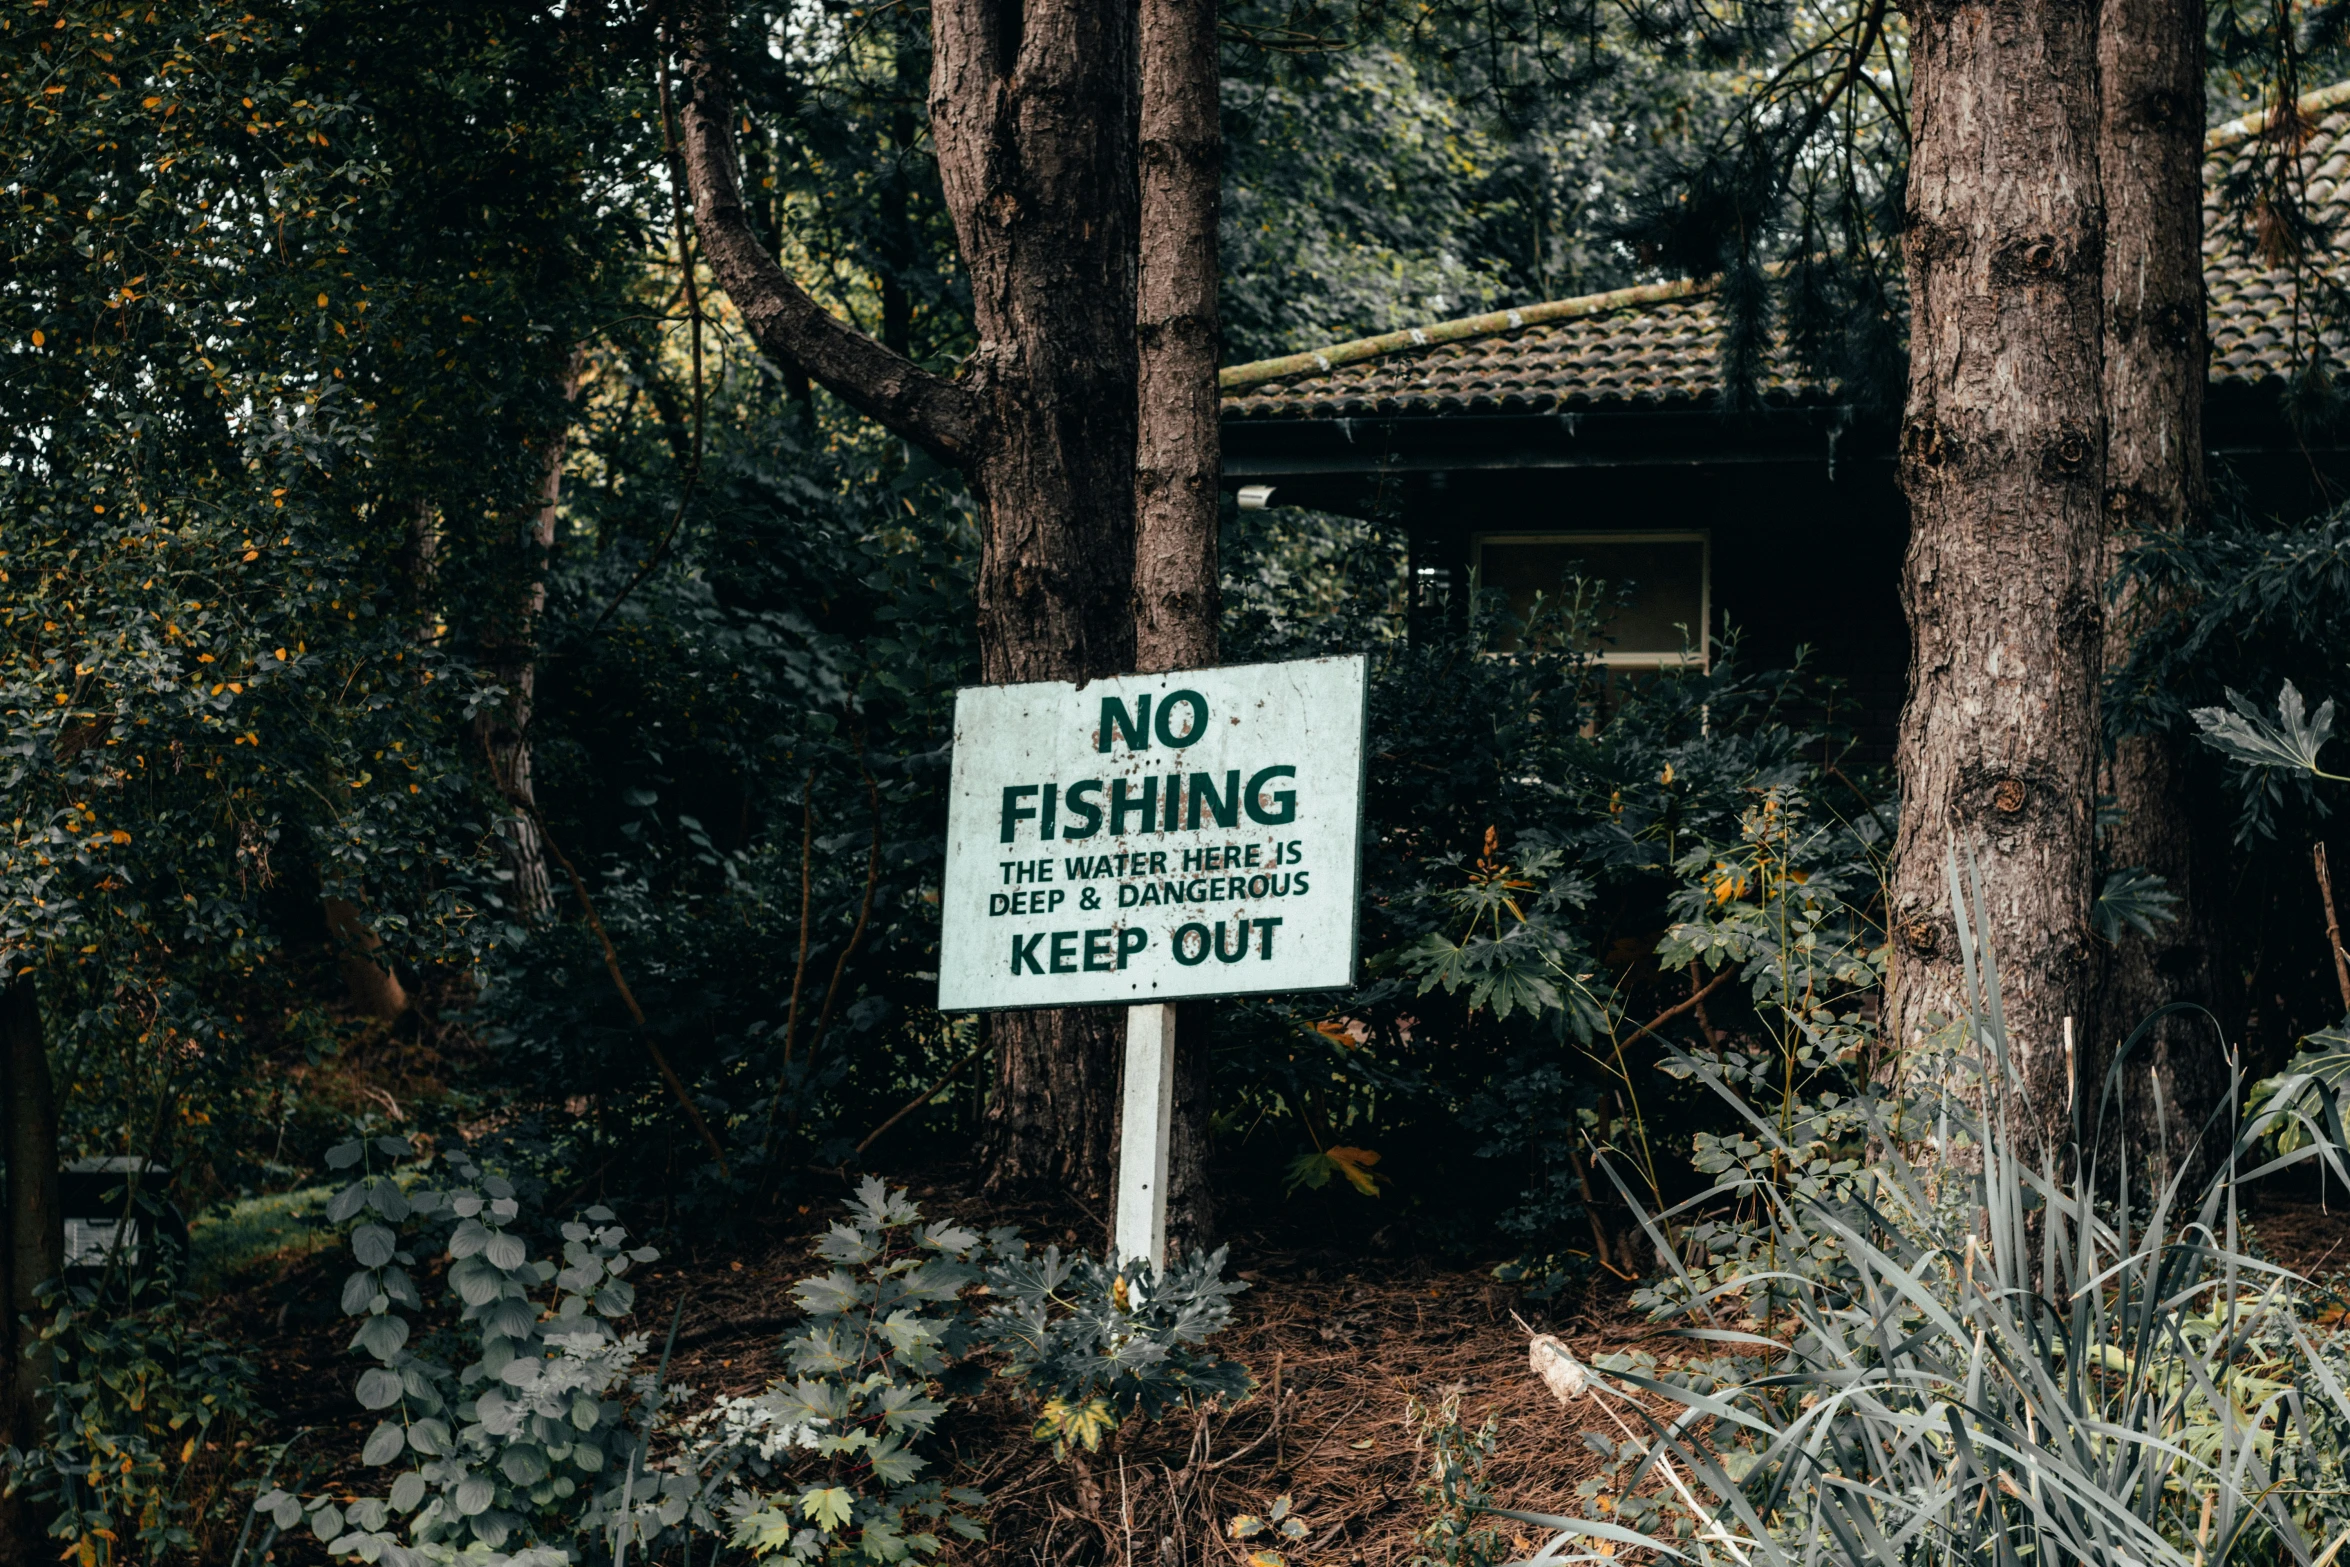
(1655, 589)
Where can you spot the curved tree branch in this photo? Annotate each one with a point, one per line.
(787, 324)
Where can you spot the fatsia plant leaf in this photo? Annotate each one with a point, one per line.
(2247, 737)
(2133, 898)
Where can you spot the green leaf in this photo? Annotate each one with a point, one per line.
(523, 1464)
(408, 1492)
(828, 1507)
(373, 1245)
(384, 1444)
(2249, 739)
(378, 1388)
(381, 1336)
(2133, 898)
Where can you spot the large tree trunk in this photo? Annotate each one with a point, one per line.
(2150, 64)
(35, 1236)
(2002, 453)
(1178, 599)
(1031, 110)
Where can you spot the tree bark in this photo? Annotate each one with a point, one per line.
(2002, 458)
(2150, 68)
(35, 1252)
(1178, 598)
(512, 649)
(1031, 111)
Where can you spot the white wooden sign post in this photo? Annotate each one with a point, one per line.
(1148, 839)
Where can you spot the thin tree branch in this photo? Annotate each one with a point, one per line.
(1674, 1011)
(799, 973)
(933, 412)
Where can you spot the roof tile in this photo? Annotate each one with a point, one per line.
(1667, 353)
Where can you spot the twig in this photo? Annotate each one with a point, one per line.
(1277, 1410)
(587, 907)
(1125, 1510)
(799, 973)
(1674, 1011)
(2325, 885)
(920, 1099)
(1264, 1436)
(1327, 1435)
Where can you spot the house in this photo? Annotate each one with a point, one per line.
(1587, 435)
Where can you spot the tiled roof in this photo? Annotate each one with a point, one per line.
(1659, 345)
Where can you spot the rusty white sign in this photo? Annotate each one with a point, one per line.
(1154, 837)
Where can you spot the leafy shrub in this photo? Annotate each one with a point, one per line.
(526, 1442)
(143, 1410)
(910, 1311)
(547, 1439)
(1455, 1493)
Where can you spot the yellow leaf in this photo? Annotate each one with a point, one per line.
(38, 339)
(1355, 1164)
(1266, 1559)
(1085, 1424)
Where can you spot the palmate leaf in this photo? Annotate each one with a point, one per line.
(828, 1507)
(2133, 898)
(1512, 974)
(2248, 738)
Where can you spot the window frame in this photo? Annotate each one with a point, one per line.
(1701, 659)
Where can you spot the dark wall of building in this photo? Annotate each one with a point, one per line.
(1802, 557)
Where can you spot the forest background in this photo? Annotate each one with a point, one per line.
(460, 691)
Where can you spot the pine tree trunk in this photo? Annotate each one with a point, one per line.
(1178, 599)
(2002, 452)
(1032, 111)
(2150, 61)
(35, 1252)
